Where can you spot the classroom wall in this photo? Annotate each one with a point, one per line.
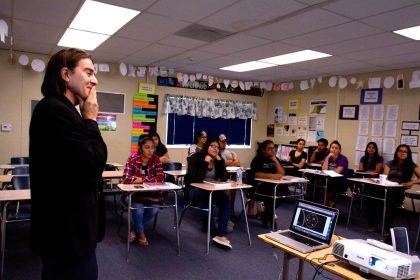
(346, 131)
(20, 84)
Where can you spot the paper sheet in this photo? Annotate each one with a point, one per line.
(390, 129)
(376, 128)
(388, 146)
(292, 119)
(374, 82)
(311, 136)
(378, 141)
(361, 143)
(363, 127)
(302, 120)
(364, 112)
(392, 112)
(378, 112)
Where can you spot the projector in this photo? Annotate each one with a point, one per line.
(377, 258)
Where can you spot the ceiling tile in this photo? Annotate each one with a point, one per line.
(122, 45)
(188, 10)
(182, 42)
(150, 28)
(384, 52)
(36, 32)
(234, 43)
(60, 13)
(30, 46)
(364, 43)
(334, 34)
(265, 51)
(158, 51)
(398, 19)
(398, 59)
(246, 14)
(138, 61)
(131, 4)
(223, 61)
(107, 57)
(357, 9)
(299, 24)
(190, 57)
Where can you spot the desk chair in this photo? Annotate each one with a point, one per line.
(16, 213)
(19, 160)
(108, 186)
(20, 170)
(167, 166)
(125, 207)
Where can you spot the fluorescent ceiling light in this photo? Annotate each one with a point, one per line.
(412, 32)
(82, 39)
(102, 18)
(294, 57)
(98, 19)
(247, 66)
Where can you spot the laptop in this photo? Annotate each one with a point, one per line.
(311, 229)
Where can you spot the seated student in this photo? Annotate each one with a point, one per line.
(231, 159)
(321, 152)
(209, 165)
(337, 162)
(160, 149)
(372, 162)
(198, 143)
(267, 166)
(144, 166)
(297, 158)
(401, 170)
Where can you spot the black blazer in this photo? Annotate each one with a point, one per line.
(66, 158)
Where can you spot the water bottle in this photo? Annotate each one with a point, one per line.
(239, 176)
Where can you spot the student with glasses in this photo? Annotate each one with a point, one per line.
(199, 141)
(401, 170)
(208, 165)
(266, 165)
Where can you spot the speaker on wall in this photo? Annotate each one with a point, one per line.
(400, 241)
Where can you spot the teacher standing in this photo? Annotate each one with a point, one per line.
(66, 158)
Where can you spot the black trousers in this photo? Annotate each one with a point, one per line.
(85, 268)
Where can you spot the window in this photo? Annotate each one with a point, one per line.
(181, 129)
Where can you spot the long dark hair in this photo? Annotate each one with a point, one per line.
(53, 83)
(204, 152)
(408, 165)
(142, 140)
(160, 145)
(376, 157)
(198, 135)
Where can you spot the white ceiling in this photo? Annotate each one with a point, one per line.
(358, 33)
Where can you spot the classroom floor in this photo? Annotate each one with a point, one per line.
(160, 261)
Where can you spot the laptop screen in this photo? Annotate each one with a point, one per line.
(314, 221)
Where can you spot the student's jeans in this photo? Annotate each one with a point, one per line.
(221, 200)
(142, 215)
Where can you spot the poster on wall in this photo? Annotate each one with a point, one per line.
(318, 107)
(293, 104)
(145, 109)
(278, 114)
(107, 122)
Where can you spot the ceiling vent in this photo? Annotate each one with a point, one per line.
(203, 33)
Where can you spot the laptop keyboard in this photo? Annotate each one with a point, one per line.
(301, 239)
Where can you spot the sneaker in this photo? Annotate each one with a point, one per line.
(222, 240)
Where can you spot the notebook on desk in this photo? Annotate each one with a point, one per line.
(311, 229)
